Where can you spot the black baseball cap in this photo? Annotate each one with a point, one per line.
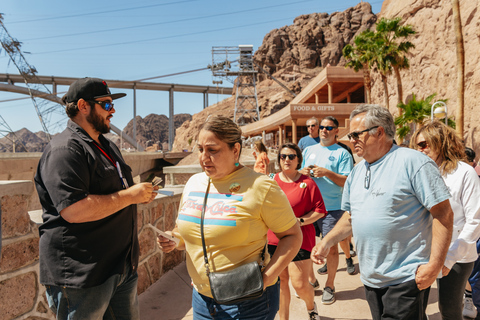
(89, 89)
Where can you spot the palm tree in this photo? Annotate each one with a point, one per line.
(460, 66)
(394, 49)
(415, 113)
(360, 57)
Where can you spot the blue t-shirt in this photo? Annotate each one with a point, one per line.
(333, 158)
(391, 222)
(308, 141)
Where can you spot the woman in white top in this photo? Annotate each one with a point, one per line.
(443, 146)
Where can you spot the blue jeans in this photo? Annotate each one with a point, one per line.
(116, 299)
(262, 308)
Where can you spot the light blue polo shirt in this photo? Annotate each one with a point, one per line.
(334, 158)
(308, 141)
(391, 222)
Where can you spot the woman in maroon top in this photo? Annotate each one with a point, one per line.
(307, 204)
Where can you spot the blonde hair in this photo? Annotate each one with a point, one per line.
(260, 146)
(443, 140)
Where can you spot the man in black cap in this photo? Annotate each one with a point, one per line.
(88, 240)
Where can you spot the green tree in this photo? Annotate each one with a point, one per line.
(360, 57)
(391, 36)
(415, 113)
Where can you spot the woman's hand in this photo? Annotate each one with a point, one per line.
(165, 244)
(445, 271)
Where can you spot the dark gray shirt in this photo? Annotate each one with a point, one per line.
(82, 255)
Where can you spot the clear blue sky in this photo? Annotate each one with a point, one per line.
(131, 40)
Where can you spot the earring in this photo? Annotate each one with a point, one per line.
(237, 164)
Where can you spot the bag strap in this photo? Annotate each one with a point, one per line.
(205, 258)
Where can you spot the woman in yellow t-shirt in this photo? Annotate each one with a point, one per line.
(241, 207)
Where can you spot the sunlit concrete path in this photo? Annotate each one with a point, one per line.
(170, 298)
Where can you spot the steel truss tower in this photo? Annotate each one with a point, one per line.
(44, 110)
(236, 64)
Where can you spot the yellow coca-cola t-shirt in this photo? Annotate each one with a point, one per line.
(241, 207)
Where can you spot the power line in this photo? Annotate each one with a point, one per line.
(169, 22)
(160, 38)
(101, 12)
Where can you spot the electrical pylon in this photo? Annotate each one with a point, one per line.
(235, 64)
(43, 108)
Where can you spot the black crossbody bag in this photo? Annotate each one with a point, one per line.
(240, 284)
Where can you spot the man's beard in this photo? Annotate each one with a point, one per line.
(97, 121)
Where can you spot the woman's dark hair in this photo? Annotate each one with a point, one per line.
(297, 150)
(225, 130)
(470, 154)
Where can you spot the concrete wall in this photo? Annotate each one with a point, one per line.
(21, 294)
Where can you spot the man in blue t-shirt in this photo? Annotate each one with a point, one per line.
(400, 216)
(329, 165)
(313, 136)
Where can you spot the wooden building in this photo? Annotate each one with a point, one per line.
(335, 91)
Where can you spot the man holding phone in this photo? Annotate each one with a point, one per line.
(329, 165)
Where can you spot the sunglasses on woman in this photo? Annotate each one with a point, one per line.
(422, 145)
(107, 105)
(290, 156)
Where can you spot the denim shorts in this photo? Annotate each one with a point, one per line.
(325, 225)
(262, 308)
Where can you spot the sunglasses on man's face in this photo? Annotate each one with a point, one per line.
(329, 128)
(290, 156)
(356, 134)
(107, 105)
(422, 145)
(311, 125)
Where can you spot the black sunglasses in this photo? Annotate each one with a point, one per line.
(290, 156)
(422, 145)
(107, 105)
(329, 128)
(311, 125)
(356, 134)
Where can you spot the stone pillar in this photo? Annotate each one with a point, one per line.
(294, 131)
(330, 92)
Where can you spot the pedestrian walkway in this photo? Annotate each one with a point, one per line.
(170, 298)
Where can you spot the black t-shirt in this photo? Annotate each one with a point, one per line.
(83, 255)
(344, 146)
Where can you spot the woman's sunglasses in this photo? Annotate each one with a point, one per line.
(422, 145)
(107, 105)
(290, 156)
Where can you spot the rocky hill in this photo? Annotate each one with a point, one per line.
(433, 61)
(153, 128)
(297, 52)
(293, 54)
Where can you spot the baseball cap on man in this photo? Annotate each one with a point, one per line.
(89, 89)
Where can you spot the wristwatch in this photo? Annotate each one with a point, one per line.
(301, 221)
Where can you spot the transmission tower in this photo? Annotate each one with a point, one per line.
(43, 108)
(7, 132)
(235, 64)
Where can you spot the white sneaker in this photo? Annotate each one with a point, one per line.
(313, 314)
(469, 309)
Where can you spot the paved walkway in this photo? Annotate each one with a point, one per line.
(170, 298)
